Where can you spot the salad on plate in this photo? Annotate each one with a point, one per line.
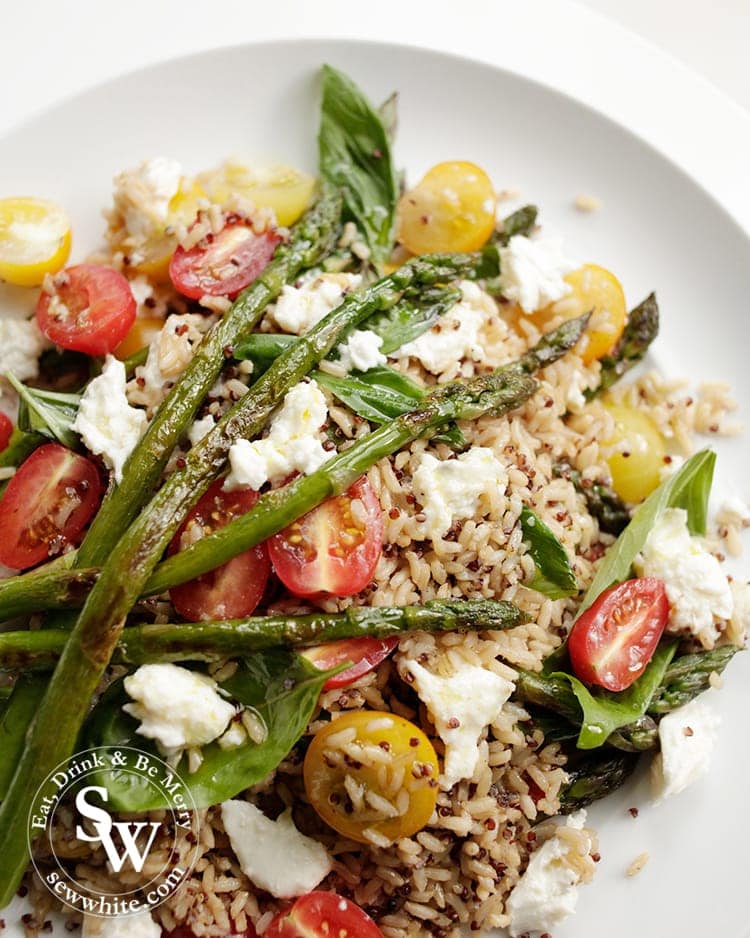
(331, 496)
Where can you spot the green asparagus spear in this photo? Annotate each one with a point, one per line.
(594, 777)
(519, 222)
(602, 501)
(640, 331)
(54, 586)
(208, 641)
(689, 675)
(495, 393)
(310, 239)
(132, 559)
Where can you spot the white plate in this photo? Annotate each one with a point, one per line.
(656, 229)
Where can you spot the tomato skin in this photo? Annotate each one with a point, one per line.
(323, 915)
(47, 504)
(611, 643)
(234, 589)
(6, 430)
(223, 264)
(329, 550)
(365, 653)
(100, 309)
(411, 767)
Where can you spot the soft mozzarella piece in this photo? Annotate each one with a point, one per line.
(456, 334)
(547, 892)
(452, 489)
(697, 589)
(361, 351)
(142, 195)
(137, 925)
(532, 271)
(21, 344)
(461, 706)
(274, 854)
(293, 443)
(108, 425)
(687, 737)
(298, 309)
(178, 708)
(199, 428)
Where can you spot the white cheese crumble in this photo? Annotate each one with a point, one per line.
(547, 892)
(461, 706)
(697, 589)
(452, 489)
(455, 335)
(687, 737)
(135, 925)
(178, 708)
(21, 344)
(274, 854)
(361, 351)
(293, 443)
(169, 354)
(142, 195)
(532, 271)
(298, 309)
(199, 429)
(108, 425)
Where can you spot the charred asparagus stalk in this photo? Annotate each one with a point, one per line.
(207, 641)
(601, 500)
(593, 778)
(640, 331)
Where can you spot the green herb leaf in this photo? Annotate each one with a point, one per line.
(412, 317)
(355, 157)
(47, 412)
(554, 575)
(604, 712)
(281, 687)
(19, 446)
(381, 394)
(262, 349)
(688, 488)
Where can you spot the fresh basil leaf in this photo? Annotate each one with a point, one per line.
(604, 712)
(281, 687)
(388, 113)
(412, 317)
(262, 349)
(378, 395)
(382, 394)
(19, 446)
(355, 157)
(688, 488)
(554, 576)
(49, 413)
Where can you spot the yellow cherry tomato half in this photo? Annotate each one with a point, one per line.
(34, 240)
(154, 257)
(634, 454)
(594, 289)
(452, 209)
(286, 190)
(143, 330)
(374, 772)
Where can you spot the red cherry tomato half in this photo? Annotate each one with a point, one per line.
(365, 653)
(6, 430)
(223, 264)
(323, 915)
(91, 309)
(234, 589)
(334, 548)
(614, 639)
(47, 504)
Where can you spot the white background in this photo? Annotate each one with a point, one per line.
(52, 49)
